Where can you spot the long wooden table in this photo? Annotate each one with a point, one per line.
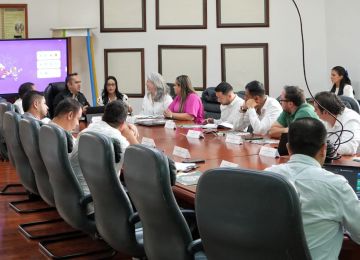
(213, 149)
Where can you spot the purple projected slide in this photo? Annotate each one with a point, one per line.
(40, 61)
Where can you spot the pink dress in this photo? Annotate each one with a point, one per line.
(192, 106)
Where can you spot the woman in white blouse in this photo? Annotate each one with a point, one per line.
(341, 82)
(157, 98)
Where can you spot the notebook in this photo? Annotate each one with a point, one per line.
(282, 149)
(351, 173)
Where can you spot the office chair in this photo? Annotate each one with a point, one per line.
(50, 93)
(246, 214)
(21, 162)
(211, 105)
(69, 197)
(29, 135)
(115, 218)
(241, 94)
(5, 155)
(172, 91)
(350, 102)
(148, 177)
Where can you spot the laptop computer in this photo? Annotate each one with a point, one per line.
(351, 173)
(151, 122)
(94, 112)
(282, 149)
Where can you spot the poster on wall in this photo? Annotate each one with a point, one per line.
(190, 60)
(242, 63)
(127, 66)
(13, 21)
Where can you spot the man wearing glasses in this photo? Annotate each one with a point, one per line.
(294, 107)
(72, 90)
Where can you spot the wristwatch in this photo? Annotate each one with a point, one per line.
(243, 109)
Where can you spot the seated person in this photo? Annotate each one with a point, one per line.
(229, 104)
(294, 106)
(67, 114)
(348, 117)
(111, 92)
(328, 203)
(341, 82)
(72, 90)
(260, 111)
(112, 125)
(157, 98)
(34, 105)
(187, 104)
(23, 89)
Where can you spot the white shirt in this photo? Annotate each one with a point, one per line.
(328, 205)
(100, 102)
(348, 91)
(230, 113)
(107, 130)
(351, 121)
(260, 123)
(18, 104)
(149, 107)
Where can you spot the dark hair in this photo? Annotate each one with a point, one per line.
(69, 77)
(306, 136)
(25, 87)
(341, 71)
(29, 99)
(224, 88)
(295, 95)
(255, 88)
(186, 89)
(67, 105)
(115, 113)
(330, 101)
(105, 94)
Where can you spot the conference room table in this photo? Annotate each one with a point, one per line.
(213, 149)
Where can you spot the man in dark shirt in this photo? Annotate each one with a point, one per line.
(72, 90)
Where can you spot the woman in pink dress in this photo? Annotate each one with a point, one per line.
(187, 104)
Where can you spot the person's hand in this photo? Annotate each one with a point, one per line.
(130, 109)
(84, 109)
(251, 103)
(209, 121)
(133, 128)
(129, 135)
(168, 113)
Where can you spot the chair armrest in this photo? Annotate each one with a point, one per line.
(134, 218)
(188, 213)
(86, 200)
(195, 247)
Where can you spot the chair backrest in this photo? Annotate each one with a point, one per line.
(50, 93)
(172, 91)
(112, 205)
(245, 214)
(211, 105)
(147, 177)
(350, 103)
(4, 106)
(23, 168)
(68, 194)
(241, 94)
(29, 135)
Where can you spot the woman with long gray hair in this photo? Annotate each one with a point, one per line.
(157, 98)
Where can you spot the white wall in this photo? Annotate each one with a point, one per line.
(283, 36)
(343, 38)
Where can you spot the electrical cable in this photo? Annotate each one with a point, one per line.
(339, 133)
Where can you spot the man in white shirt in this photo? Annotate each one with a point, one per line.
(350, 139)
(259, 111)
(229, 104)
(34, 105)
(112, 125)
(329, 205)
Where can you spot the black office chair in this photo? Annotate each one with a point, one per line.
(70, 200)
(149, 176)
(172, 91)
(115, 218)
(29, 135)
(211, 105)
(50, 93)
(21, 162)
(246, 214)
(350, 103)
(5, 155)
(241, 94)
